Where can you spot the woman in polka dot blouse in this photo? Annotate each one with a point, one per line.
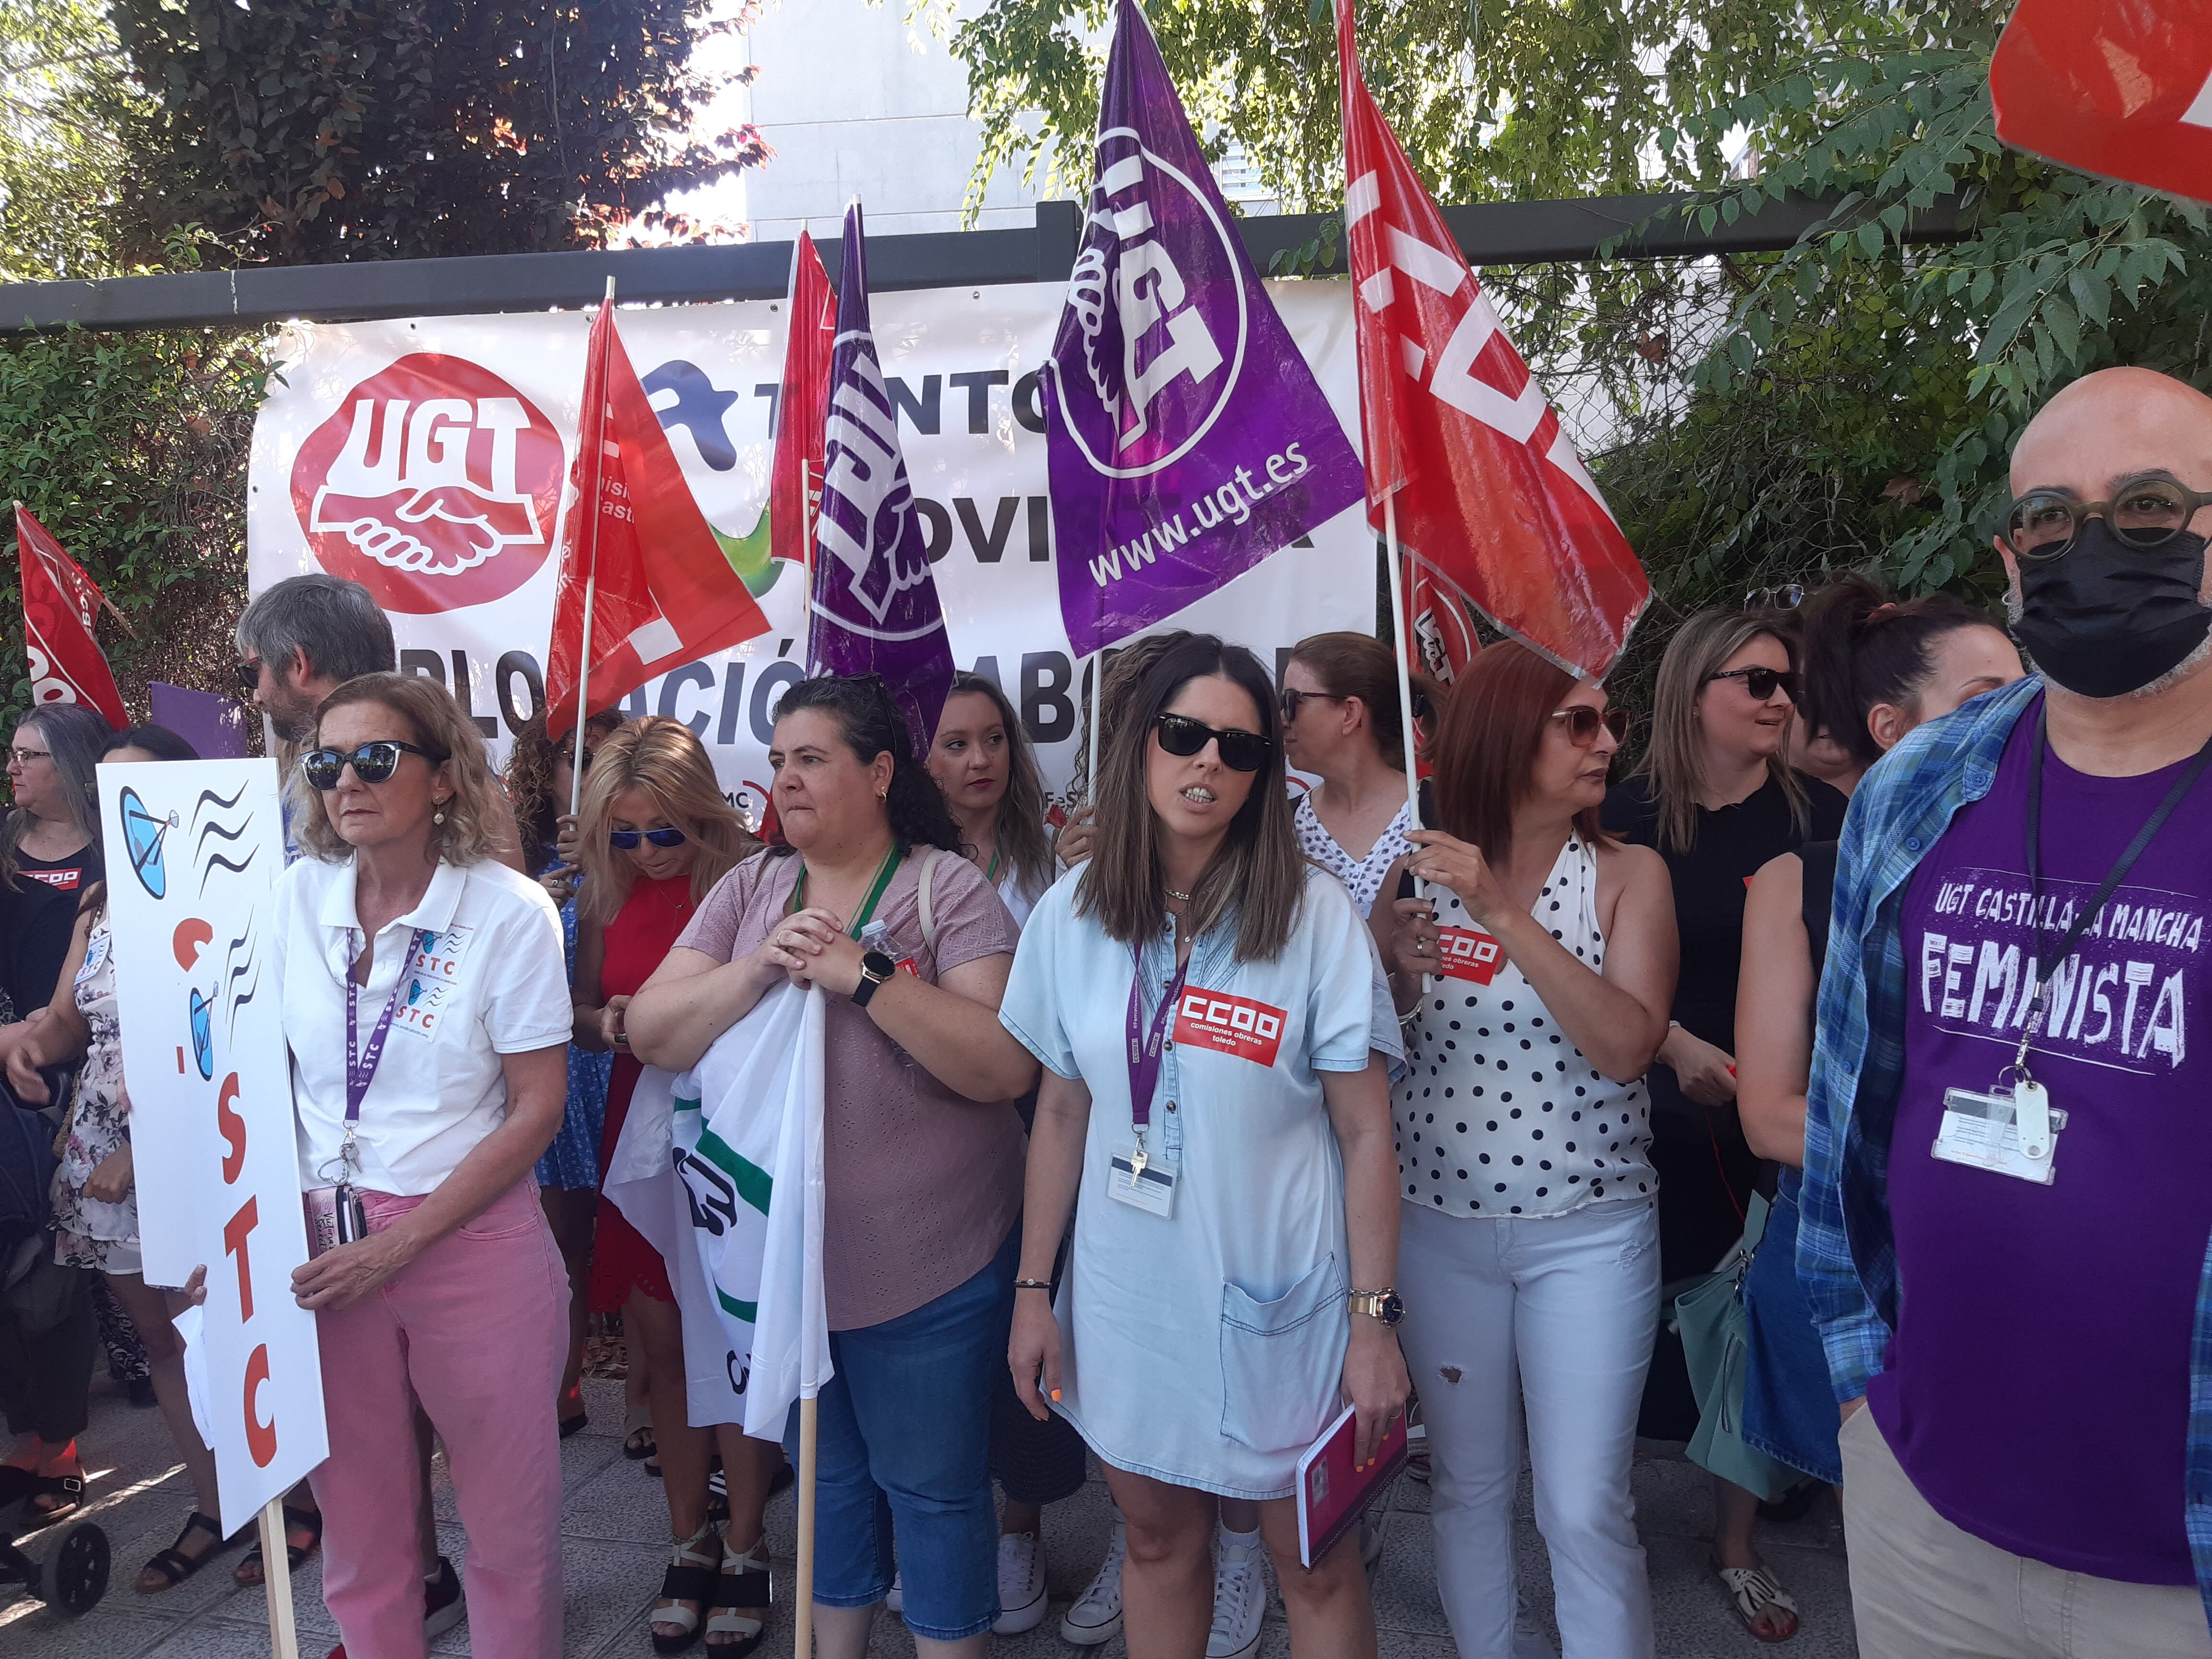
(1534, 975)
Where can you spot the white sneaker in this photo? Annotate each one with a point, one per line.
(1240, 1603)
(1095, 1617)
(895, 1597)
(1021, 1583)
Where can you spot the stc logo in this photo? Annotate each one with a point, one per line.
(1469, 954)
(1230, 1025)
(435, 485)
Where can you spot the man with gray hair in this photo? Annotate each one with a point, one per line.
(2008, 1155)
(301, 640)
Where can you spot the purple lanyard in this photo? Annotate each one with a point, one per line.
(1145, 1045)
(361, 1063)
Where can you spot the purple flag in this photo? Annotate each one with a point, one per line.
(1185, 437)
(875, 600)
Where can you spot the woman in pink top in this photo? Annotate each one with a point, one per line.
(922, 1156)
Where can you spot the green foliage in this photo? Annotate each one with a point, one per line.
(132, 450)
(62, 99)
(303, 130)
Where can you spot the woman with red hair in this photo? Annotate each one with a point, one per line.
(1533, 979)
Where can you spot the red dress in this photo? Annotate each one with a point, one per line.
(640, 936)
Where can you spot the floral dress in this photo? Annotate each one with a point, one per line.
(94, 1233)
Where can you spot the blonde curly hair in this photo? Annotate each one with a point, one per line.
(471, 831)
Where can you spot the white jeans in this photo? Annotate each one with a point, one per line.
(1560, 1311)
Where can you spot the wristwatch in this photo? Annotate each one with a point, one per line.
(1385, 1305)
(875, 969)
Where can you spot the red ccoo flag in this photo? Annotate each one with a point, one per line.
(1491, 495)
(795, 490)
(59, 604)
(636, 554)
(2119, 88)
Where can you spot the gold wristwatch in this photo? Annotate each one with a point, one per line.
(1384, 1304)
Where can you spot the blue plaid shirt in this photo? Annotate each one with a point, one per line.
(1846, 1246)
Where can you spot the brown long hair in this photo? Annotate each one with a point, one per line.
(470, 833)
(1673, 767)
(1257, 874)
(663, 757)
(1350, 664)
(531, 764)
(1020, 830)
(1495, 716)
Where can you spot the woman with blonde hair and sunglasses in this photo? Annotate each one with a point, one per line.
(655, 836)
(1715, 795)
(428, 1017)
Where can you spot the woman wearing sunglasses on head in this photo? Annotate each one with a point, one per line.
(1215, 1112)
(868, 898)
(428, 1019)
(1716, 797)
(654, 837)
(1535, 977)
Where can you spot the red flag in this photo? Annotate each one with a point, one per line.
(1442, 634)
(59, 604)
(662, 592)
(1489, 491)
(794, 488)
(2117, 88)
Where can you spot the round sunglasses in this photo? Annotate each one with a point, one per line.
(2144, 512)
(1762, 683)
(372, 763)
(626, 840)
(1240, 751)
(1583, 723)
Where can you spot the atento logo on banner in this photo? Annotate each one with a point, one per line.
(1155, 358)
(435, 485)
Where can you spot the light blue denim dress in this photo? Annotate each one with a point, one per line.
(1206, 1347)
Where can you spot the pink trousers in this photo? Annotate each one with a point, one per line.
(477, 1328)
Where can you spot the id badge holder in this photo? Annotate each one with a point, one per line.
(1144, 1182)
(1983, 1130)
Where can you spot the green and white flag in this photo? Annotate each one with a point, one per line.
(721, 1168)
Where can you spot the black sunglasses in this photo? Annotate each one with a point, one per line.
(1240, 751)
(2144, 512)
(1762, 682)
(626, 840)
(1292, 699)
(1584, 722)
(249, 676)
(372, 763)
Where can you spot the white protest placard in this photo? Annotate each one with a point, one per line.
(195, 849)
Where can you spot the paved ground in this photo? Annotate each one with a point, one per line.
(616, 1521)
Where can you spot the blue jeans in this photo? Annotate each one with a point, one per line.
(904, 1440)
(1789, 1409)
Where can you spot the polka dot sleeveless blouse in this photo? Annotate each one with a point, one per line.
(1499, 1113)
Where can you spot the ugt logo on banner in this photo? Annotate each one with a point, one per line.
(435, 485)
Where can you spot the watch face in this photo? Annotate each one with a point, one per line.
(878, 965)
(1393, 1308)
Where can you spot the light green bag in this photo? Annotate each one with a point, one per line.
(1717, 1344)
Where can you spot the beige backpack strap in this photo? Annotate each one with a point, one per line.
(922, 896)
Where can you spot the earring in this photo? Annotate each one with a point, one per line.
(437, 817)
(883, 794)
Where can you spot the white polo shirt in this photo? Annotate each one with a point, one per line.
(489, 980)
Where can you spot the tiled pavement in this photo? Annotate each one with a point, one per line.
(616, 1523)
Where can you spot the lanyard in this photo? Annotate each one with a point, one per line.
(991, 874)
(885, 871)
(361, 1063)
(2046, 960)
(1145, 1045)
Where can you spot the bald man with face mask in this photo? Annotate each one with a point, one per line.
(2007, 1205)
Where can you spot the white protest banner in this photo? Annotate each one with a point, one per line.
(195, 850)
(428, 459)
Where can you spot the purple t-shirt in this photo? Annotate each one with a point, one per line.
(2036, 1390)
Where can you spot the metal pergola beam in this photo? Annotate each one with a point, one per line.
(1491, 233)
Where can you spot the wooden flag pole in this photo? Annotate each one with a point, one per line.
(809, 1417)
(277, 1579)
(592, 572)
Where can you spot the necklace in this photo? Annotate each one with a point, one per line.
(1180, 897)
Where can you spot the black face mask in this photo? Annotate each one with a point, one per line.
(2104, 618)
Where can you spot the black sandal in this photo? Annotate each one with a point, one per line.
(687, 1583)
(69, 1488)
(308, 1520)
(172, 1566)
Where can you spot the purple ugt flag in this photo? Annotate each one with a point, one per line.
(875, 600)
(1185, 437)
